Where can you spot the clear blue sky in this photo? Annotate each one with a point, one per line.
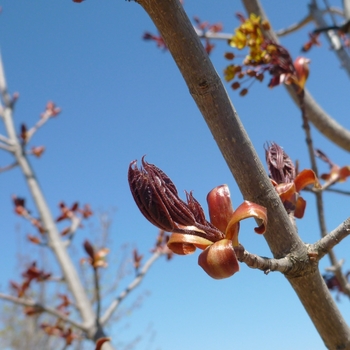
(123, 98)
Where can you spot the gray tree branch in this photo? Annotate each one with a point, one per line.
(211, 98)
(116, 302)
(42, 308)
(69, 271)
(332, 37)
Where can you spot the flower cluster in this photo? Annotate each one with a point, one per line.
(263, 56)
(157, 198)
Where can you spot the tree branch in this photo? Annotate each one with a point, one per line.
(98, 294)
(210, 95)
(332, 37)
(326, 243)
(69, 271)
(307, 19)
(8, 167)
(283, 265)
(116, 302)
(213, 35)
(43, 120)
(43, 308)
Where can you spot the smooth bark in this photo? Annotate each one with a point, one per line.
(207, 90)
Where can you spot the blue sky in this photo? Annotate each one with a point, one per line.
(122, 98)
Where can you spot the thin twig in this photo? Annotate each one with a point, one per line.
(139, 277)
(284, 265)
(334, 22)
(213, 35)
(30, 133)
(294, 27)
(98, 295)
(307, 19)
(332, 36)
(7, 147)
(326, 243)
(75, 224)
(319, 200)
(43, 308)
(5, 140)
(8, 167)
(335, 190)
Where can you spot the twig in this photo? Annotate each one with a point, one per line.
(319, 199)
(98, 295)
(335, 190)
(8, 167)
(332, 36)
(6, 147)
(43, 120)
(284, 265)
(116, 302)
(75, 223)
(213, 35)
(296, 26)
(326, 243)
(330, 13)
(325, 246)
(5, 140)
(8, 101)
(44, 308)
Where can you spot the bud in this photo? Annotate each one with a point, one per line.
(243, 92)
(281, 167)
(301, 65)
(157, 198)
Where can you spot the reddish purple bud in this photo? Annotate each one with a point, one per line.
(157, 198)
(89, 249)
(281, 167)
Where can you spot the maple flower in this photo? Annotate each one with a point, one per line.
(157, 198)
(265, 56)
(287, 184)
